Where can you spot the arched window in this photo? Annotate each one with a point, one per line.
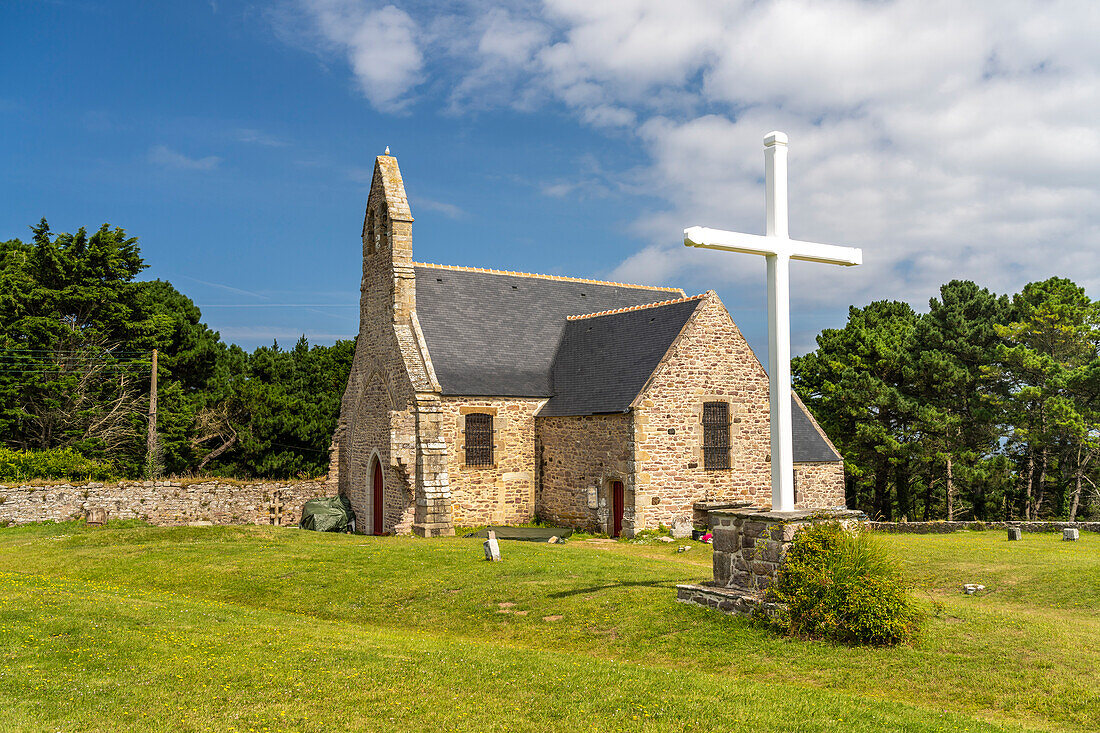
(716, 435)
(479, 439)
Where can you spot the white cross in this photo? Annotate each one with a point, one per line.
(779, 249)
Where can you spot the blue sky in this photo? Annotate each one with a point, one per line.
(236, 140)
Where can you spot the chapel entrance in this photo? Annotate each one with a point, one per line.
(377, 503)
(618, 505)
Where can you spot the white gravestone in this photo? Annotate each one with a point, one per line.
(492, 547)
(1070, 534)
(681, 527)
(779, 249)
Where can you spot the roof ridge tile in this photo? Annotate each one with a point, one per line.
(628, 309)
(562, 278)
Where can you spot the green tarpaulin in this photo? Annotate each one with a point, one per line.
(530, 534)
(331, 514)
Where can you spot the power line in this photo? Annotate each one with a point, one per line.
(61, 372)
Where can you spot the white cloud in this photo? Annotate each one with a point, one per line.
(259, 137)
(381, 45)
(948, 139)
(448, 210)
(165, 156)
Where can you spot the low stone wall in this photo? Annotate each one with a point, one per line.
(163, 503)
(948, 527)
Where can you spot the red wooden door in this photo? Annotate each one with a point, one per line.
(617, 505)
(378, 498)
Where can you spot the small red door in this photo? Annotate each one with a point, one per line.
(617, 504)
(378, 498)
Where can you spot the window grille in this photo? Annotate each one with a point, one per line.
(479, 439)
(716, 435)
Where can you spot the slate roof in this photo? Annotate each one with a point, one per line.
(604, 361)
(508, 335)
(809, 445)
(496, 334)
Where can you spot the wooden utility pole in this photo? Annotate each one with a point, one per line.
(152, 450)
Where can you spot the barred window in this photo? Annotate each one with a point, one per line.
(479, 439)
(716, 435)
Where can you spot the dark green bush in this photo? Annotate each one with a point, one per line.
(841, 585)
(60, 463)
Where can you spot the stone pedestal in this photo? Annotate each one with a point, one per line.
(750, 545)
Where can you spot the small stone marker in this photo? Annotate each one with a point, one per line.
(553, 540)
(99, 516)
(492, 548)
(681, 527)
(972, 588)
(1070, 534)
(665, 539)
(1013, 534)
(683, 548)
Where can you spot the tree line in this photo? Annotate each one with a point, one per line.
(76, 334)
(986, 407)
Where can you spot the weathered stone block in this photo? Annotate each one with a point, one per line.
(761, 567)
(772, 551)
(1070, 534)
(726, 539)
(723, 567)
(740, 579)
(1014, 534)
(752, 530)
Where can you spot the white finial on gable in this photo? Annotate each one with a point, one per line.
(387, 150)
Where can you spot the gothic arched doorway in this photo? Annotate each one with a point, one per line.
(377, 486)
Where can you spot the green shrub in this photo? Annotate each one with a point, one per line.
(841, 585)
(60, 463)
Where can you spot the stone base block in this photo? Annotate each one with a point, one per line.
(732, 601)
(750, 544)
(433, 529)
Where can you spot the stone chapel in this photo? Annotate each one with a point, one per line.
(479, 396)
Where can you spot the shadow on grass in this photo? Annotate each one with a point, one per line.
(671, 584)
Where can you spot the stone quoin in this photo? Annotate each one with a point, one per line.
(480, 396)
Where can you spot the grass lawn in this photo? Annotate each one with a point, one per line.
(267, 629)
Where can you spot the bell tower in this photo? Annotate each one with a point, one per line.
(388, 284)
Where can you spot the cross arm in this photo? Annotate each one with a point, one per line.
(754, 244)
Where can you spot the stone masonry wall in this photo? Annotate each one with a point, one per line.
(819, 484)
(503, 493)
(163, 502)
(580, 457)
(712, 362)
